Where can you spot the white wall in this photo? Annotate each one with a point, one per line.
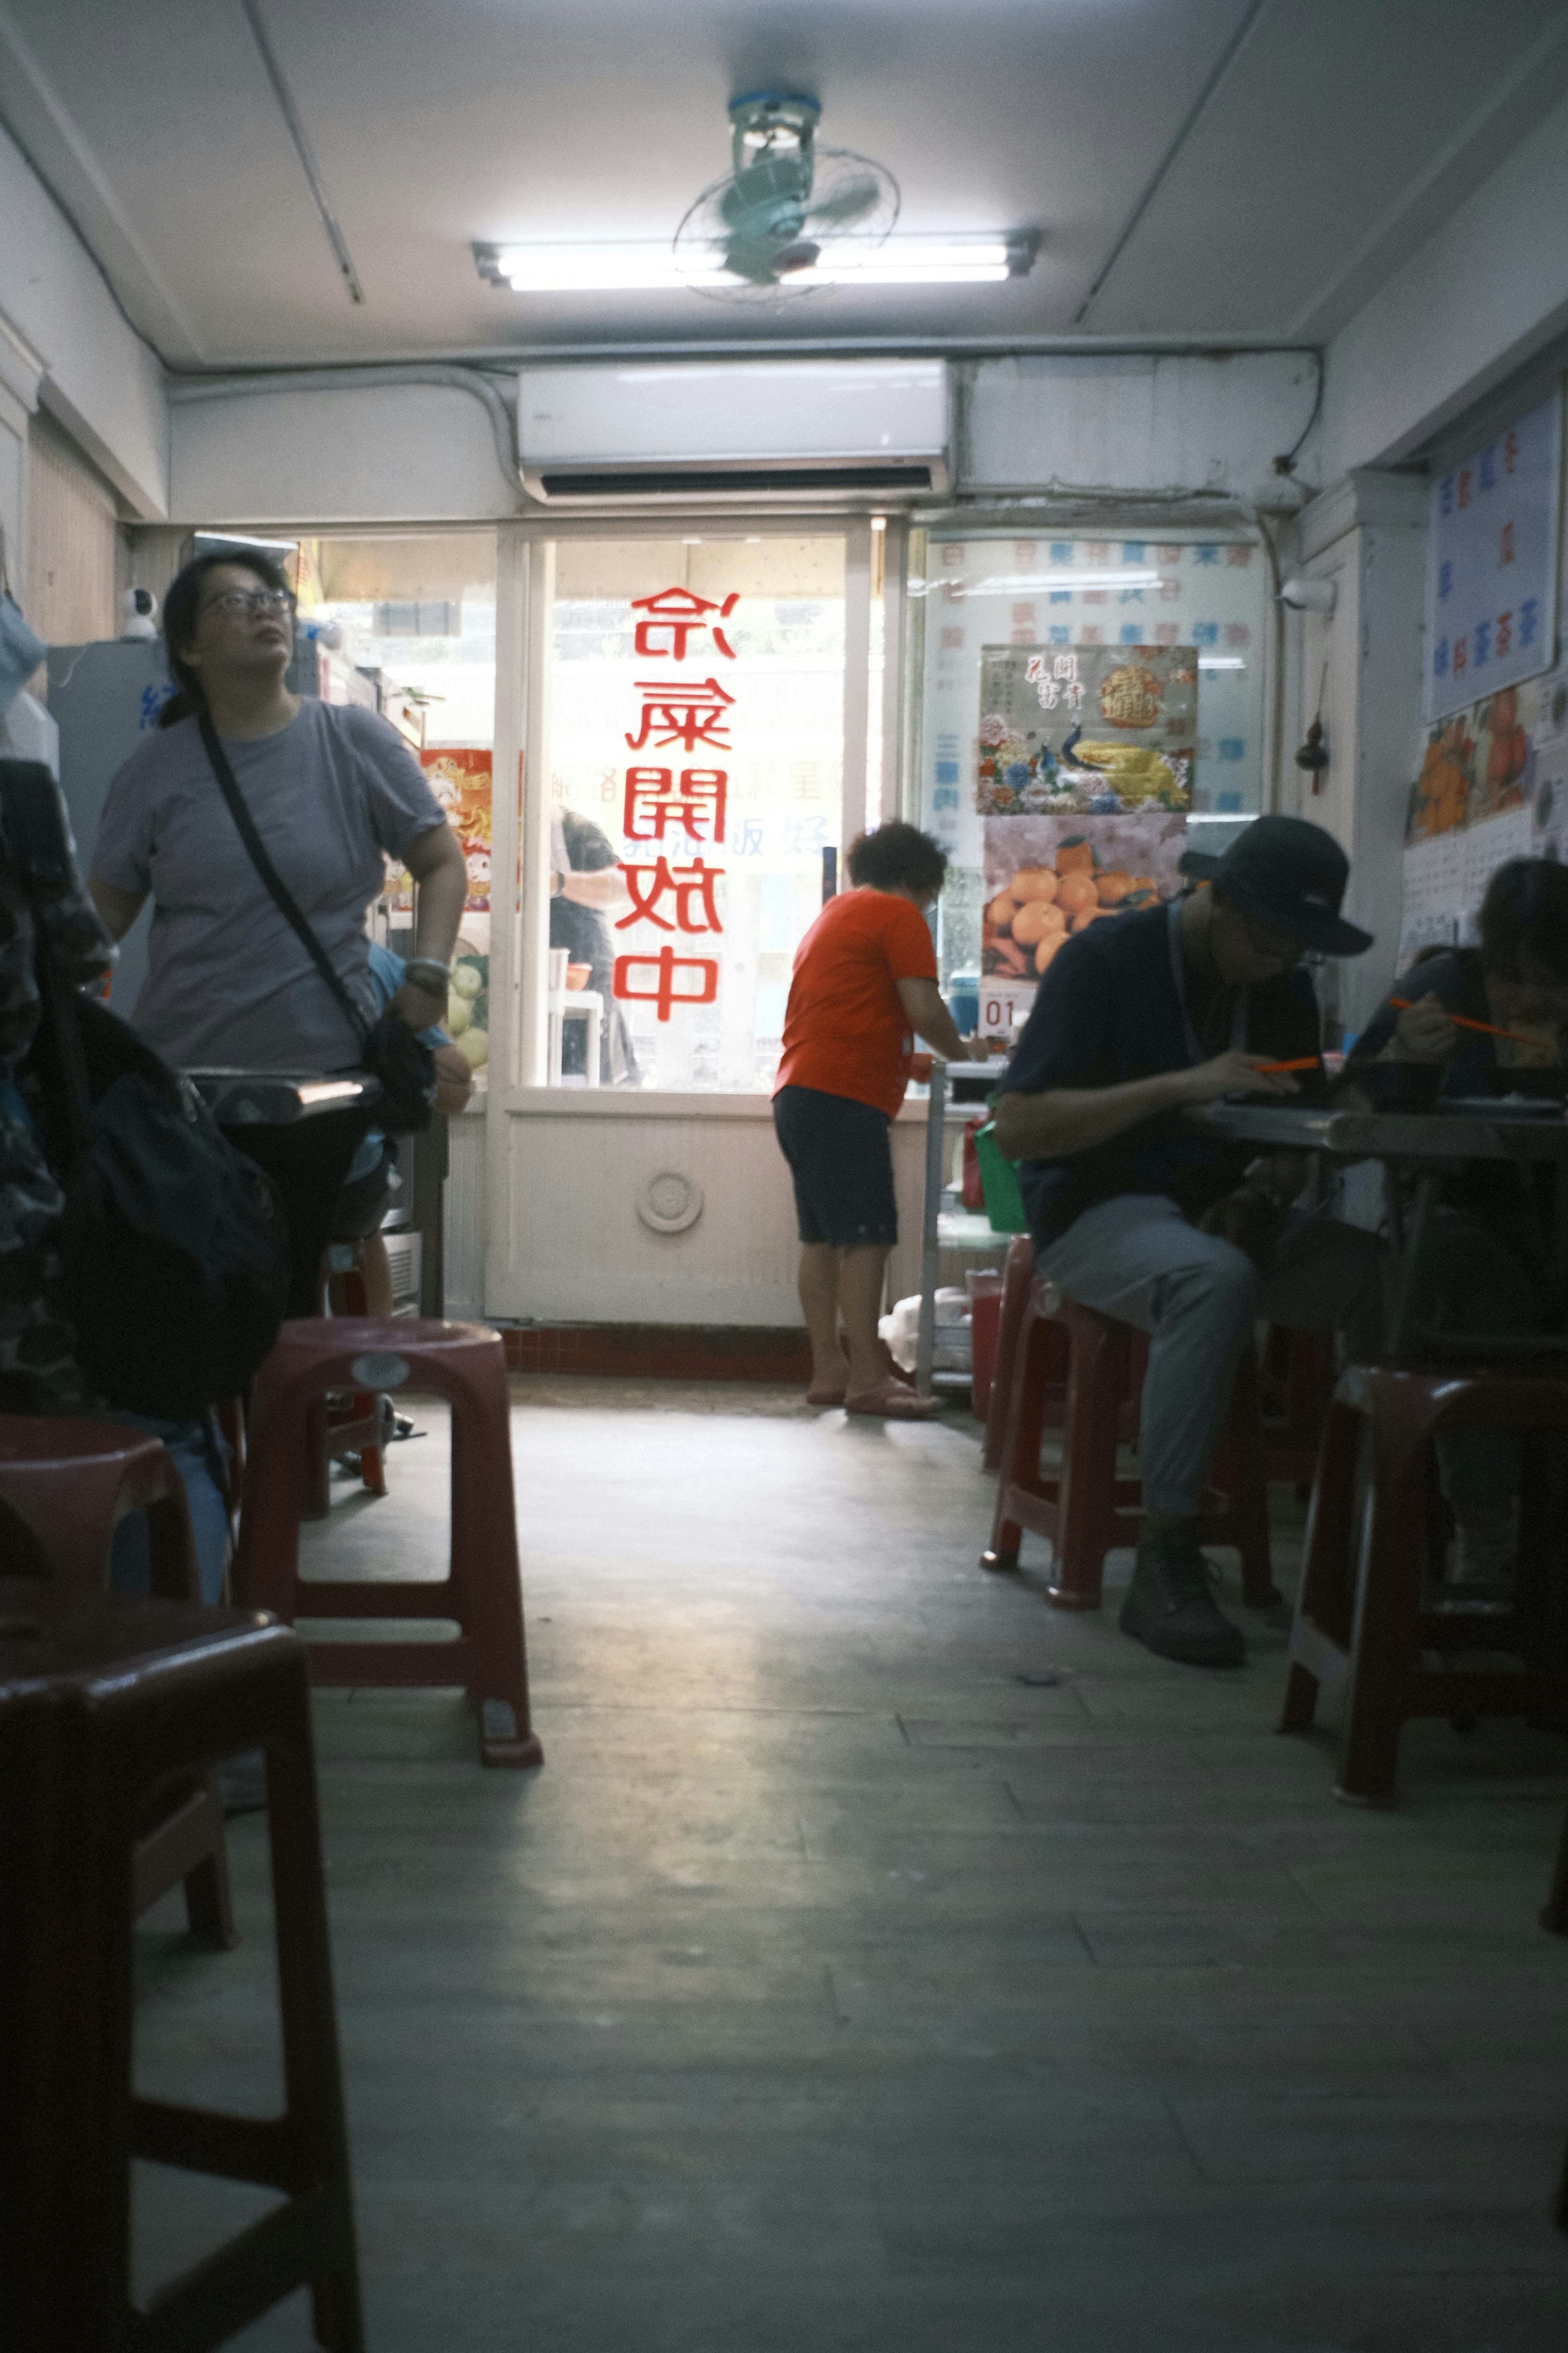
(1136, 420)
(1479, 298)
(427, 453)
(97, 375)
(1369, 538)
(403, 453)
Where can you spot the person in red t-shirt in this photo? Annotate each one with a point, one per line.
(864, 978)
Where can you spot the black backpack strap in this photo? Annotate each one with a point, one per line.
(277, 890)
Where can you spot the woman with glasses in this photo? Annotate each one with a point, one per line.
(333, 792)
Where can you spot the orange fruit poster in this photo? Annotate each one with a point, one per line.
(461, 779)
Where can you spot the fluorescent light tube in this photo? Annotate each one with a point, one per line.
(631, 269)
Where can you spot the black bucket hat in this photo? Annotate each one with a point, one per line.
(1290, 875)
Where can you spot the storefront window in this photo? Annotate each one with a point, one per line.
(407, 626)
(695, 756)
(1045, 596)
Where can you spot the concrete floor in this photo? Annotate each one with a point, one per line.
(883, 1959)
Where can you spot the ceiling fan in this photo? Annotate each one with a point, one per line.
(789, 217)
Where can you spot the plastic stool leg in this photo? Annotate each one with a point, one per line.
(1097, 1382)
(1388, 1589)
(1026, 1428)
(1249, 1465)
(1018, 1276)
(486, 1574)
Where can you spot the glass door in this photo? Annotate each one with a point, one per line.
(705, 693)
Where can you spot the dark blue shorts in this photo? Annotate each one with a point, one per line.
(842, 1163)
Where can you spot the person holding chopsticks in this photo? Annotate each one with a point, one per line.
(1484, 1012)
(1137, 1212)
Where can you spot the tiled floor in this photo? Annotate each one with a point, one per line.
(881, 1959)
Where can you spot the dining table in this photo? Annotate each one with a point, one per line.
(1417, 1151)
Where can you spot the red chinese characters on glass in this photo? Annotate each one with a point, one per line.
(656, 799)
(690, 888)
(674, 711)
(674, 614)
(664, 993)
(667, 805)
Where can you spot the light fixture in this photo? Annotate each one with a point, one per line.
(1309, 596)
(845, 261)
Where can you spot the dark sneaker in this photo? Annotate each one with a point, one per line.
(1171, 1607)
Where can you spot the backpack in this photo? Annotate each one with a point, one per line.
(173, 1264)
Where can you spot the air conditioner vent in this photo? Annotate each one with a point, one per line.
(753, 430)
(728, 481)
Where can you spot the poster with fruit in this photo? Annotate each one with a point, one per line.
(1086, 730)
(1048, 877)
(1486, 791)
(461, 779)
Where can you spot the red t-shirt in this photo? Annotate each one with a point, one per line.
(845, 1031)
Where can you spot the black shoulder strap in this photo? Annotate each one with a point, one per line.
(282, 897)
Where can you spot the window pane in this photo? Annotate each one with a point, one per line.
(696, 757)
(992, 589)
(416, 628)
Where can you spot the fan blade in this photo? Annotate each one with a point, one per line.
(851, 204)
(780, 180)
(753, 257)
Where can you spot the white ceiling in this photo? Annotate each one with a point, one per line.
(1342, 132)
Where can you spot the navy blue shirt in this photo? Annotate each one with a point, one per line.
(1513, 1201)
(1107, 1012)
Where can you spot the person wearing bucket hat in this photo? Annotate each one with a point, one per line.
(1141, 1213)
(1290, 877)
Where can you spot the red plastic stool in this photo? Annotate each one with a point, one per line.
(105, 1699)
(1089, 1509)
(351, 1427)
(466, 1364)
(74, 1481)
(71, 1484)
(1298, 1374)
(985, 1318)
(1360, 1619)
(1017, 1281)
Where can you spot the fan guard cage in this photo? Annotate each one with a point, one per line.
(704, 232)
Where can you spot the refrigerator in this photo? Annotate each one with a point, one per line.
(105, 699)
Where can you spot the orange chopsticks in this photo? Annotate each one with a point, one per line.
(1463, 1022)
(1301, 1062)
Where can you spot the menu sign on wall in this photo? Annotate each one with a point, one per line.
(1491, 564)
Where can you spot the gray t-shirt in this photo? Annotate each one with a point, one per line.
(228, 980)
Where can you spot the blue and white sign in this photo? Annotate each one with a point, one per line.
(1491, 564)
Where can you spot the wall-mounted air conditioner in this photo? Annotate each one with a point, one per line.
(684, 432)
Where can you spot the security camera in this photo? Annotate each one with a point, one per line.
(1309, 596)
(137, 608)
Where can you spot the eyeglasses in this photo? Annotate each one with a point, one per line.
(253, 602)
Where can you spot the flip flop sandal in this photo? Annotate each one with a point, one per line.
(825, 1397)
(892, 1401)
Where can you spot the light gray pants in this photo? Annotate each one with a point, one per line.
(1138, 1259)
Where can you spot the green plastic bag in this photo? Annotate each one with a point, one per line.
(999, 1183)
